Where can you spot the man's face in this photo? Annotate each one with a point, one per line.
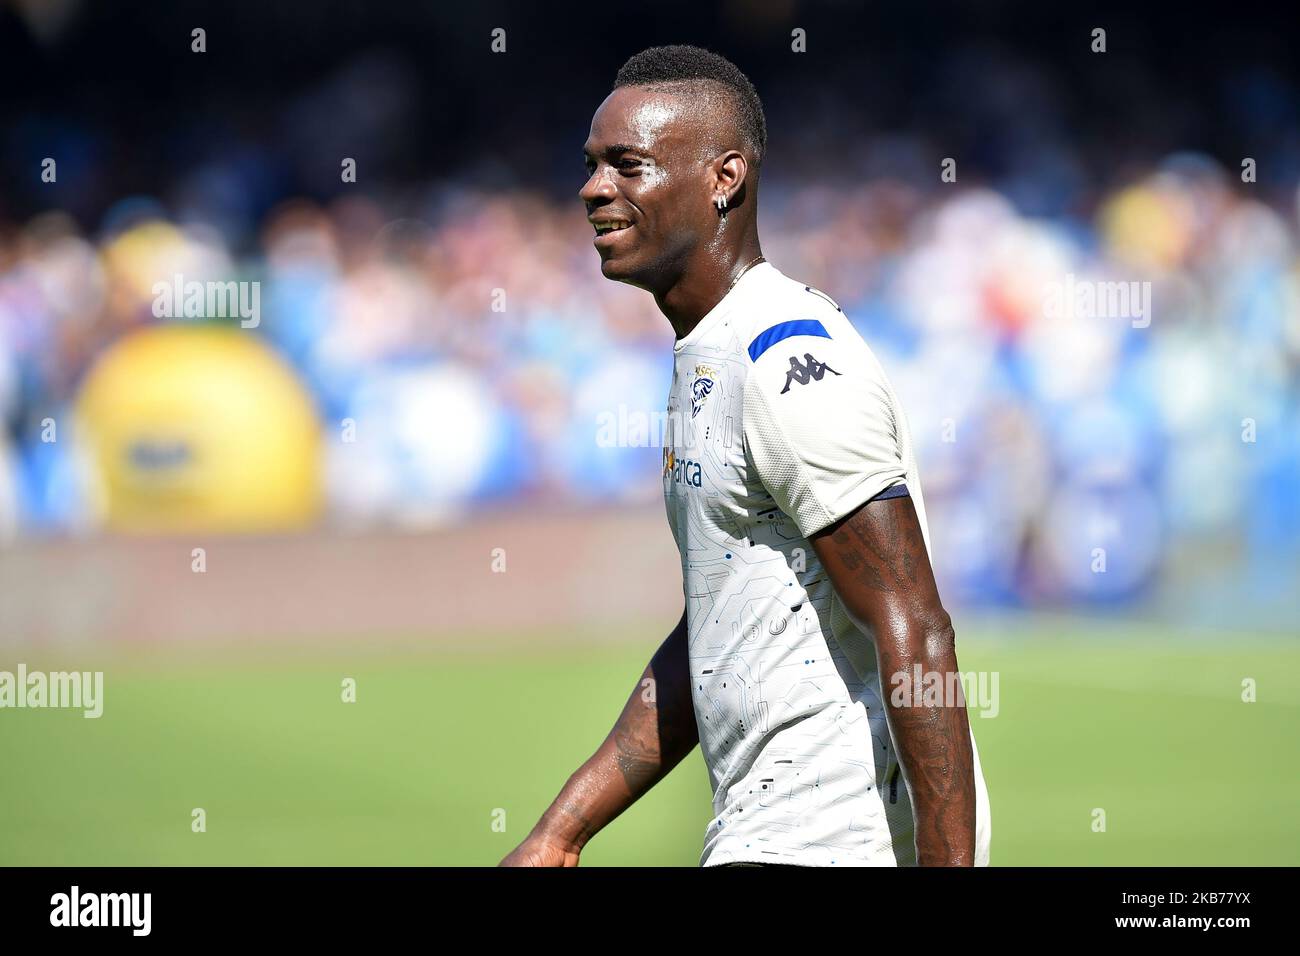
(648, 192)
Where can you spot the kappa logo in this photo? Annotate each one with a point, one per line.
(813, 370)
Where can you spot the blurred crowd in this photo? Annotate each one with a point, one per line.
(475, 347)
(451, 328)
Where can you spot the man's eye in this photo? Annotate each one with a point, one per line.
(628, 163)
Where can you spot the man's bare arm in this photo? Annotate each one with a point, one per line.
(654, 732)
(877, 562)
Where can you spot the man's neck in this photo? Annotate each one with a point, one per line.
(700, 288)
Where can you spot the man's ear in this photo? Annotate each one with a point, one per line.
(731, 169)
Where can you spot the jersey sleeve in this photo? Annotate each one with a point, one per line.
(820, 422)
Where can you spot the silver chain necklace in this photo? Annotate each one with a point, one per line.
(749, 266)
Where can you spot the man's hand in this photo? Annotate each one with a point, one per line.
(879, 567)
(539, 850)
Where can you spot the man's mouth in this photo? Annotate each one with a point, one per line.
(606, 226)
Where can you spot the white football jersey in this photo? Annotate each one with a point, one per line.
(780, 422)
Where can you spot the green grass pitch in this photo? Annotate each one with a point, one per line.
(1147, 727)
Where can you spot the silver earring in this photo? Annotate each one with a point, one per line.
(721, 201)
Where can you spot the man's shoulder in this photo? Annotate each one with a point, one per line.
(778, 299)
(794, 323)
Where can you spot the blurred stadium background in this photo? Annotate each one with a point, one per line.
(437, 352)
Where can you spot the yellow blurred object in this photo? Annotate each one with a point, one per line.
(135, 259)
(1147, 227)
(200, 428)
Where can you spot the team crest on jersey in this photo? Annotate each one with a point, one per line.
(701, 387)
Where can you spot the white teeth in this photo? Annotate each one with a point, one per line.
(612, 225)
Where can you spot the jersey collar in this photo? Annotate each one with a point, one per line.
(738, 294)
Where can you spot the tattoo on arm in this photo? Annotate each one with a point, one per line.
(656, 730)
(585, 828)
(886, 553)
(651, 736)
(638, 755)
(935, 741)
(878, 563)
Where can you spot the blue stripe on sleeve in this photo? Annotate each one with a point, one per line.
(898, 491)
(784, 330)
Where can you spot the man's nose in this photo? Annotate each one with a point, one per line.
(598, 189)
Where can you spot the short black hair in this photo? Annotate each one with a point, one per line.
(661, 67)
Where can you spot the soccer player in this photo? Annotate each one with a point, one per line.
(814, 663)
